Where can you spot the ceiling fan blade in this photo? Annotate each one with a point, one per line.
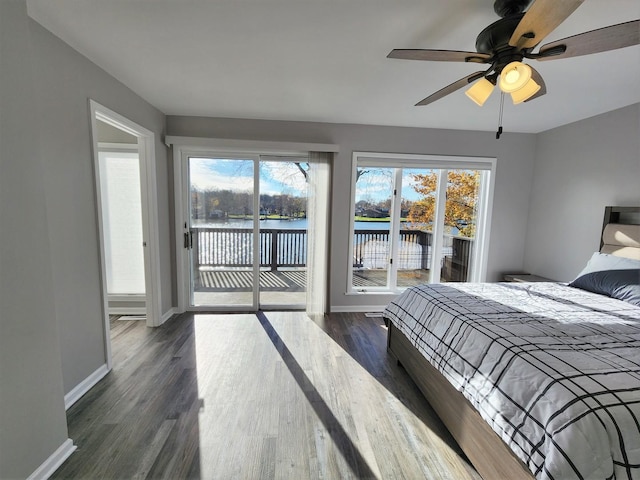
(451, 88)
(600, 40)
(539, 80)
(540, 20)
(438, 55)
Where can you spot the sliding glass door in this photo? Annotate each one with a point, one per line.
(220, 232)
(283, 232)
(246, 231)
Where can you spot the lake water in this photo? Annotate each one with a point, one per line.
(374, 255)
(293, 225)
(283, 224)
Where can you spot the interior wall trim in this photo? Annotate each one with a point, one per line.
(168, 314)
(51, 464)
(128, 311)
(134, 297)
(357, 308)
(84, 386)
(250, 146)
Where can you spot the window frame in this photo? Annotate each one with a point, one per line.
(398, 161)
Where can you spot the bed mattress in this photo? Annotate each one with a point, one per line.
(554, 370)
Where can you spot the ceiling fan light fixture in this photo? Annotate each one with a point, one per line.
(514, 76)
(526, 92)
(480, 91)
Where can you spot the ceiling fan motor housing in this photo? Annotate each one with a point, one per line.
(494, 41)
(513, 38)
(505, 8)
(497, 35)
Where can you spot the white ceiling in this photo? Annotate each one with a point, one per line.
(325, 60)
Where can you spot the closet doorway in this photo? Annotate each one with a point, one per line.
(125, 185)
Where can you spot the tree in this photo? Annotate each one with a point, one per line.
(460, 206)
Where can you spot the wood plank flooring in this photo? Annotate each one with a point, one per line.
(271, 395)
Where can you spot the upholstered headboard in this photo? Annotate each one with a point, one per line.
(621, 232)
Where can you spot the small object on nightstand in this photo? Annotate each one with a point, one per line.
(525, 277)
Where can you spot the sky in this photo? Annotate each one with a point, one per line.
(237, 175)
(285, 178)
(377, 184)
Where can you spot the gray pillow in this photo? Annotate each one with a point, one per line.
(613, 276)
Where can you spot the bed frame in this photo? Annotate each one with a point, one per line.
(491, 457)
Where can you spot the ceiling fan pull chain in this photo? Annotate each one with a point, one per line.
(499, 132)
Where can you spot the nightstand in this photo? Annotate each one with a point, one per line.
(525, 277)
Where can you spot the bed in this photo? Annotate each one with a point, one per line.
(535, 380)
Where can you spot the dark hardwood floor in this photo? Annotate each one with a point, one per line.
(257, 396)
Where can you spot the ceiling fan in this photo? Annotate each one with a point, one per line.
(505, 43)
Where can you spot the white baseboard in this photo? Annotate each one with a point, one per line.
(167, 315)
(84, 386)
(52, 463)
(357, 308)
(132, 297)
(127, 310)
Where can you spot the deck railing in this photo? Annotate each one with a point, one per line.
(455, 266)
(232, 247)
(364, 238)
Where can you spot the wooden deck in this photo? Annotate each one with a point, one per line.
(242, 281)
(294, 280)
(378, 278)
(224, 258)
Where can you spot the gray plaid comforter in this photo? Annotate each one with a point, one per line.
(553, 369)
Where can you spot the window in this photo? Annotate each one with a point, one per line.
(418, 219)
(121, 204)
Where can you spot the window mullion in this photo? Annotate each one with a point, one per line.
(394, 231)
(438, 227)
(479, 254)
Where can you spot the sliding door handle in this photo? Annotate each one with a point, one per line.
(188, 239)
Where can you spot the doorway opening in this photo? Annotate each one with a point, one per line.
(246, 220)
(125, 185)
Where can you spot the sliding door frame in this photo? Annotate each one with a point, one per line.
(186, 281)
(184, 147)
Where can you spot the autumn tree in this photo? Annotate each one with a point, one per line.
(460, 206)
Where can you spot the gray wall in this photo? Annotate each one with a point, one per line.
(65, 82)
(51, 334)
(515, 162)
(580, 168)
(32, 416)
